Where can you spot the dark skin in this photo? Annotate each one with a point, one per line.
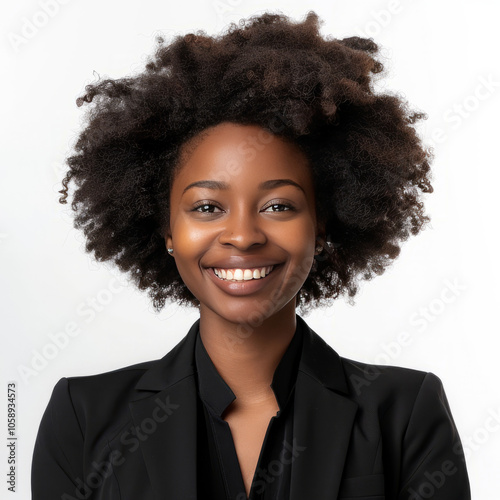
(247, 325)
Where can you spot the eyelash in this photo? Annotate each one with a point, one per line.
(208, 204)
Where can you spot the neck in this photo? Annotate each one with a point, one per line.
(246, 356)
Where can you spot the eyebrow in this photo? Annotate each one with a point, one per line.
(271, 184)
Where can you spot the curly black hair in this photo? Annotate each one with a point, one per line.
(369, 165)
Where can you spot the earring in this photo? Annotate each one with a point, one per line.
(319, 249)
(170, 251)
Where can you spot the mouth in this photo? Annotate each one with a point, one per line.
(241, 275)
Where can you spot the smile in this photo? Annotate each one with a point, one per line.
(242, 274)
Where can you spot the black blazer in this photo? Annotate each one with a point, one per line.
(360, 432)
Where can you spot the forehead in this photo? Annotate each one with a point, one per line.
(234, 152)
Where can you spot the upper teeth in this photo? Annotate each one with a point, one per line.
(243, 274)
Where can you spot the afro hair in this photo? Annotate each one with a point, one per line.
(369, 165)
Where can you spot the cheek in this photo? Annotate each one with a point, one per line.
(298, 239)
(190, 238)
(190, 243)
(299, 243)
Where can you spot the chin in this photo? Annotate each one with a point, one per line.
(250, 312)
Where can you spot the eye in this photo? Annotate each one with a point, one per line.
(284, 207)
(205, 206)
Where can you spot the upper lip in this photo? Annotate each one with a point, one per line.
(242, 263)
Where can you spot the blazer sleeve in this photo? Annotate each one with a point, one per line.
(433, 463)
(57, 458)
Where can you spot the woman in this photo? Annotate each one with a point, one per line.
(247, 175)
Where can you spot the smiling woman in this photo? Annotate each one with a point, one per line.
(264, 217)
(250, 175)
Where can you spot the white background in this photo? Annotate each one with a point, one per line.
(441, 293)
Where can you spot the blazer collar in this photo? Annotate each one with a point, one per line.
(318, 360)
(323, 419)
(177, 364)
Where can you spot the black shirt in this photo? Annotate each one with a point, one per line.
(219, 473)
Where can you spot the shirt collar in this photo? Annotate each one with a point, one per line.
(215, 392)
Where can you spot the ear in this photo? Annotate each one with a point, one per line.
(168, 241)
(168, 237)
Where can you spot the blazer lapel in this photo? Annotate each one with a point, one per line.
(323, 421)
(166, 414)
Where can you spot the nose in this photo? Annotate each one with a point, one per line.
(242, 229)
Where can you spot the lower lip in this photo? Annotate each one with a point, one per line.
(245, 287)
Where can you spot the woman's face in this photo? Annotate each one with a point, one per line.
(243, 200)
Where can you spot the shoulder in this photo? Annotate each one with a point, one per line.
(102, 396)
(403, 401)
(368, 385)
(119, 380)
(405, 414)
(385, 378)
(388, 386)
(101, 402)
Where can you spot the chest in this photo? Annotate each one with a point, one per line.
(248, 431)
